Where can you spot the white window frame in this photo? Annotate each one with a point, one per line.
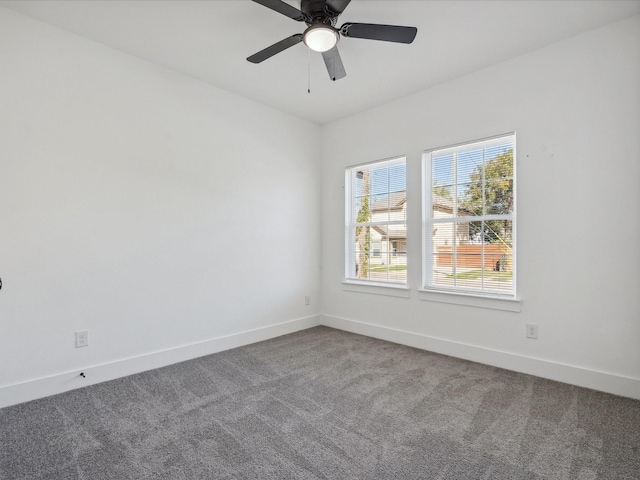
(457, 294)
(351, 282)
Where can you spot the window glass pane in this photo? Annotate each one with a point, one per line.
(442, 186)
(442, 206)
(378, 267)
(376, 246)
(499, 232)
(462, 233)
(362, 248)
(477, 234)
(380, 208)
(443, 238)
(362, 211)
(358, 181)
(505, 148)
(442, 171)
(390, 266)
(397, 178)
(380, 180)
(469, 166)
(442, 270)
(499, 180)
(362, 243)
(398, 206)
(505, 230)
(499, 197)
(396, 233)
(469, 270)
(470, 199)
(474, 180)
(493, 262)
(500, 277)
(398, 273)
(378, 198)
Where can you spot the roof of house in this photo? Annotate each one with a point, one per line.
(393, 202)
(398, 232)
(396, 200)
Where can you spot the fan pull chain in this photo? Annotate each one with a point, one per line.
(308, 70)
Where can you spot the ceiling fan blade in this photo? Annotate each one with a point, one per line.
(278, 47)
(387, 33)
(337, 6)
(334, 64)
(283, 8)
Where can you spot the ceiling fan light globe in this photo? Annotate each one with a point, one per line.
(320, 38)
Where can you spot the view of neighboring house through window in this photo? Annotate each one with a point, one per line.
(376, 228)
(469, 217)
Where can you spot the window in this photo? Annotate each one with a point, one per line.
(376, 228)
(469, 218)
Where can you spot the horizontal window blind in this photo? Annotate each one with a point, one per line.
(376, 222)
(469, 217)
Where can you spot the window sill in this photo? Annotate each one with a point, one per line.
(377, 288)
(470, 300)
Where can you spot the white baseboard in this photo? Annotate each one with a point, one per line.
(62, 382)
(602, 381)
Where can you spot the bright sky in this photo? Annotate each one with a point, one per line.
(467, 162)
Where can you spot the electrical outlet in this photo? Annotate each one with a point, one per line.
(82, 339)
(307, 300)
(532, 331)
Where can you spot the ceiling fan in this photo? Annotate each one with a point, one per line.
(322, 35)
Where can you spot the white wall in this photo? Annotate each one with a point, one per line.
(170, 218)
(575, 107)
(150, 209)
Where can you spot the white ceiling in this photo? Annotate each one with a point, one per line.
(210, 40)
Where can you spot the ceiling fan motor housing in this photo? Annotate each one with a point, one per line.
(317, 11)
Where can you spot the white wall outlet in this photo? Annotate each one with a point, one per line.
(82, 339)
(307, 300)
(532, 330)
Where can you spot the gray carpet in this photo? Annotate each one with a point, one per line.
(323, 403)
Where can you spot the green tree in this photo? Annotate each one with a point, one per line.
(496, 198)
(443, 191)
(363, 234)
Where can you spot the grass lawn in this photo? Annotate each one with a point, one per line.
(383, 268)
(475, 274)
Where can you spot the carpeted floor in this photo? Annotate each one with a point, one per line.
(323, 403)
